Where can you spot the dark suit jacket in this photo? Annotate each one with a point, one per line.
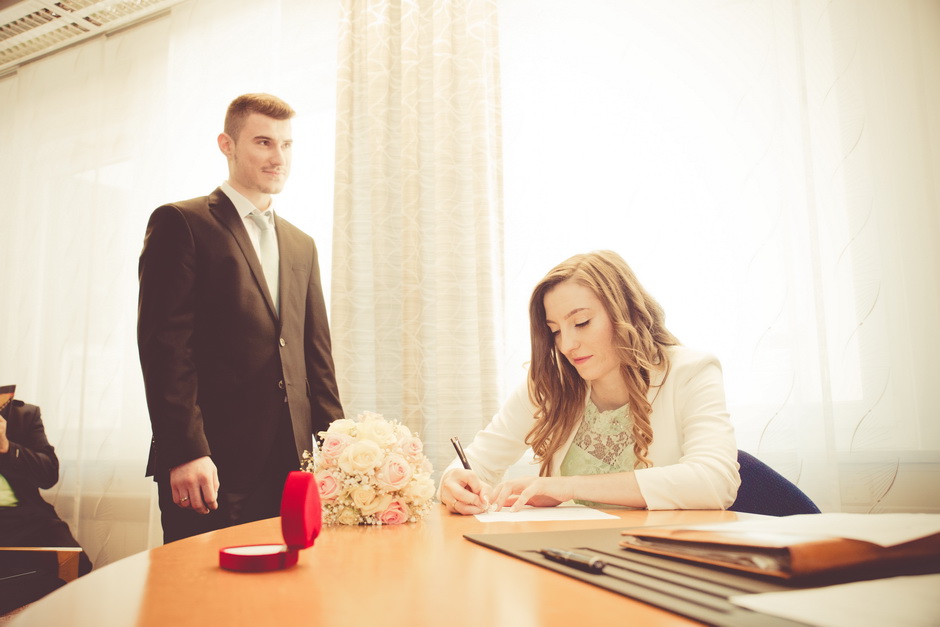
(31, 462)
(218, 363)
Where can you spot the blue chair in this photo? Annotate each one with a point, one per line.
(765, 491)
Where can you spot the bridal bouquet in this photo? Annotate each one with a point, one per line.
(371, 471)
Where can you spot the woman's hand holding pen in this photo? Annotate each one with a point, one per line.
(462, 492)
(533, 491)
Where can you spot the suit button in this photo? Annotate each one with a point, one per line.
(280, 385)
(283, 342)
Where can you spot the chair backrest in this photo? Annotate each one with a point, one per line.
(765, 491)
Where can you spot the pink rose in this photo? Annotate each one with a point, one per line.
(334, 444)
(412, 447)
(396, 513)
(394, 473)
(328, 485)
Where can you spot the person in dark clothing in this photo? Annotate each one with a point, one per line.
(28, 463)
(233, 335)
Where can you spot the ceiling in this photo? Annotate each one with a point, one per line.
(30, 29)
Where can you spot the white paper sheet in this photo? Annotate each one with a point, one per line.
(882, 529)
(529, 514)
(908, 601)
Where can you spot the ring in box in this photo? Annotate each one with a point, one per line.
(301, 520)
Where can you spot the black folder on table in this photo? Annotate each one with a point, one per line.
(794, 555)
(697, 591)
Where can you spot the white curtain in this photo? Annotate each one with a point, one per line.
(417, 282)
(769, 170)
(94, 138)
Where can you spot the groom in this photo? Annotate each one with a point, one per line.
(233, 336)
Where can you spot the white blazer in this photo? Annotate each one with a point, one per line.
(694, 453)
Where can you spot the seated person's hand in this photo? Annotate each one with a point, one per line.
(533, 491)
(462, 492)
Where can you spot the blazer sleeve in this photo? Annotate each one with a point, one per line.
(31, 459)
(165, 324)
(318, 355)
(695, 466)
(502, 443)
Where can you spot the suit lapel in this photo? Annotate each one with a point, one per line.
(286, 247)
(225, 212)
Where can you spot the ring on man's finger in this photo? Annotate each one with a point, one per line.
(184, 499)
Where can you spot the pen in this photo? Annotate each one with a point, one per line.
(460, 453)
(581, 561)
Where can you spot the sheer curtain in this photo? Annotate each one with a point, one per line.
(768, 169)
(94, 138)
(417, 281)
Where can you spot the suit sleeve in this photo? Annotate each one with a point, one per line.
(31, 458)
(318, 354)
(165, 324)
(503, 442)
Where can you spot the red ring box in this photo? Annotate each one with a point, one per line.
(301, 521)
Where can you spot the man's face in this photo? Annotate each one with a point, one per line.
(259, 158)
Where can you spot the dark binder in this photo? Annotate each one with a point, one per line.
(787, 556)
(697, 591)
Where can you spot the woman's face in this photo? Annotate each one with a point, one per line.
(583, 331)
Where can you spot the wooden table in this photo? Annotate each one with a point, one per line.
(413, 574)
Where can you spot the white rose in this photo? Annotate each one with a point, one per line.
(360, 457)
(377, 430)
(348, 516)
(420, 489)
(342, 426)
(402, 432)
(362, 496)
(369, 502)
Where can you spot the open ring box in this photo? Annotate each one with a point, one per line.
(301, 520)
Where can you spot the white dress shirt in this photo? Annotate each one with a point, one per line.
(245, 207)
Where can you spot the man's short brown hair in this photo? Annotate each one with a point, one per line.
(246, 104)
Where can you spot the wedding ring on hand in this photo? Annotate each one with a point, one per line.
(184, 499)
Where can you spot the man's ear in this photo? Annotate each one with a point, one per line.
(226, 144)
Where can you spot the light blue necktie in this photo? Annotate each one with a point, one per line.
(268, 253)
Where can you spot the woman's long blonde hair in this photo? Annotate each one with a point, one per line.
(639, 338)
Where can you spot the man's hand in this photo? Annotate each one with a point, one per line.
(195, 485)
(4, 442)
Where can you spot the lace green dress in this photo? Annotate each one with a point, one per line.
(602, 445)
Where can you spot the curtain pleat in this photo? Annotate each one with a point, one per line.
(418, 207)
